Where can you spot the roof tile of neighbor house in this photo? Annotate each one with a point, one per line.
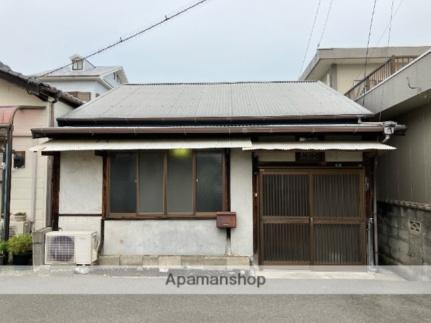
(36, 87)
(223, 101)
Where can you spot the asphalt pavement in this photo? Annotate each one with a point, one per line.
(220, 308)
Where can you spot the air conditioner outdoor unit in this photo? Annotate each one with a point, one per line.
(71, 247)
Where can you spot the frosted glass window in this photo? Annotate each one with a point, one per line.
(209, 182)
(123, 183)
(180, 183)
(151, 181)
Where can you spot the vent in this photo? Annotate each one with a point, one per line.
(60, 249)
(415, 226)
(71, 247)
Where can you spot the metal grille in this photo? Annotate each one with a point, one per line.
(336, 195)
(285, 195)
(60, 249)
(287, 242)
(337, 244)
(313, 216)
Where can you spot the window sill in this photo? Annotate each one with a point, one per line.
(130, 216)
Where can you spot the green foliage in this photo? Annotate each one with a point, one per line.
(3, 247)
(20, 244)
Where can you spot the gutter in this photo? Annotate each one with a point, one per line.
(185, 130)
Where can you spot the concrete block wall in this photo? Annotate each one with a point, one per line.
(400, 241)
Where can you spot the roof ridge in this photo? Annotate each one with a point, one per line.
(220, 82)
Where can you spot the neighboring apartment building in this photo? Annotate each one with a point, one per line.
(343, 68)
(84, 80)
(29, 103)
(400, 90)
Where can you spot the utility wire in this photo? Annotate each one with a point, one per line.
(325, 23)
(316, 14)
(136, 34)
(387, 47)
(368, 45)
(390, 23)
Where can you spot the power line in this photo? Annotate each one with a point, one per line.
(390, 23)
(368, 44)
(136, 34)
(325, 23)
(316, 14)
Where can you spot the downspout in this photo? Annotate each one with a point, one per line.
(7, 173)
(388, 130)
(376, 237)
(7, 178)
(51, 123)
(35, 159)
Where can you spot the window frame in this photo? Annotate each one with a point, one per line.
(77, 64)
(138, 215)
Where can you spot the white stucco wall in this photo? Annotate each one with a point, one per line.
(112, 80)
(241, 187)
(164, 237)
(28, 187)
(347, 74)
(80, 86)
(81, 180)
(80, 223)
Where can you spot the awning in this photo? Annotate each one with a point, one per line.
(320, 146)
(137, 144)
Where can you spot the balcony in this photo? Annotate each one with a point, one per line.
(391, 66)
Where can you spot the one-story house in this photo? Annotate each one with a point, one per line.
(151, 167)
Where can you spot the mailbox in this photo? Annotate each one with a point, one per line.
(226, 220)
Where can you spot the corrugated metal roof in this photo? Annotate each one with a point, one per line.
(320, 146)
(80, 145)
(242, 100)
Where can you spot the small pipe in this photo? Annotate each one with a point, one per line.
(102, 236)
(35, 159)
(375, 223)
(387, 137)
(7, 172)
(50, 162)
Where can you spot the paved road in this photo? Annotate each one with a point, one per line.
(120, 308)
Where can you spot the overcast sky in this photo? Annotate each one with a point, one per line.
(222, 40)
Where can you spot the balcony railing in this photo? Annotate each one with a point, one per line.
(381, 73)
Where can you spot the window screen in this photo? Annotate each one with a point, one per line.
(123, 183)
(151, 181)
(209, 182)
(180, 182)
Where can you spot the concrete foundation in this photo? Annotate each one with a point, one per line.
(160, 238)
(174, 261)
